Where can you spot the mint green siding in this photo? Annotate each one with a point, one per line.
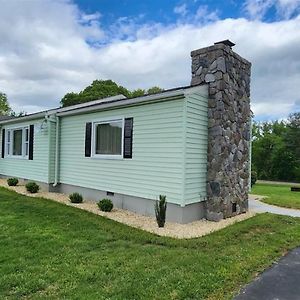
(195, 159)
(36, 169)
(169, 151)
(157, 163)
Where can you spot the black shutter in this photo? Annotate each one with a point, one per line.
(3, 143)
(128, 135)
(88, 139)
(31, 139)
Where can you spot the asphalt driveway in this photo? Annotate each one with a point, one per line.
(280, 282)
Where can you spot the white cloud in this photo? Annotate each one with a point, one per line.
(44, 54)
(285, 9)
(181, 9)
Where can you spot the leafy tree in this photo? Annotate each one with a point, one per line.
(137, 93)
(100, 89)
(155, 90)
(4, 105)
(276, 149)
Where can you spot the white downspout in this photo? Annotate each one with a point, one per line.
(56, 151)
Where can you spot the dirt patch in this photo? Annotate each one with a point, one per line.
(190, 230)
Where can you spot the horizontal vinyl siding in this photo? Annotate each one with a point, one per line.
(195, 147)
(157, 163)
(36, 169)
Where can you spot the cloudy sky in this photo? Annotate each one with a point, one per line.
(49, 48)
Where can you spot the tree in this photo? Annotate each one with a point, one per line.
(276, 149)
(155, 90)
(4, 105)
(100, 89)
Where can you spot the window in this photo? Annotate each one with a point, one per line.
(108, 137)
(17, 142)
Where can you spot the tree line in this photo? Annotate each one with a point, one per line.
(276, 149)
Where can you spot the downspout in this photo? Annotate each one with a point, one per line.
(56, 151)
(49, 120)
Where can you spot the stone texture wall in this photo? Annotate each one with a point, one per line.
(229, 121)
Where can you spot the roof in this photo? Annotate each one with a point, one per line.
(3, 118)
(105, 103)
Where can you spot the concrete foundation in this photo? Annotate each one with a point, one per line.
(143, 206)
(175, 213)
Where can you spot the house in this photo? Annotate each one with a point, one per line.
(191, 144)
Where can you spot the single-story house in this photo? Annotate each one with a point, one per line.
(191, 144)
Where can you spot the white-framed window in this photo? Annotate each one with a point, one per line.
(107, 141)
(17, 142)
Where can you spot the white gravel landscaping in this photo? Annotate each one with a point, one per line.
(176, 230)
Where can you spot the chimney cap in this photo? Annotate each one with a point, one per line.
(226, 42)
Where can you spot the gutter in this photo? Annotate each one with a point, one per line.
(38, 115)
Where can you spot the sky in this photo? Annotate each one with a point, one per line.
(49, 48)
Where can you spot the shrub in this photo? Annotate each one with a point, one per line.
(32, 187)
(160, 210)
(76, 198)
(12, 181)
(105, 205)
(253, 177)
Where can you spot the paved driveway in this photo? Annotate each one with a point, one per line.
(280, 282)
(256, 205)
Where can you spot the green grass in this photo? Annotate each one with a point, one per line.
(49, 250)
(279, 195)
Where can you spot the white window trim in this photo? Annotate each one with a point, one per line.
(11, 130)
(106, 156)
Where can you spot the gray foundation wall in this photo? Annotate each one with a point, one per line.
(175, 213)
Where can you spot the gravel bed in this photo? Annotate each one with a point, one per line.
(171, 229)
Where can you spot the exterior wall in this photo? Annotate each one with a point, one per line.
(229, 115)
(157, 163)
(36, 169)
(195, 166)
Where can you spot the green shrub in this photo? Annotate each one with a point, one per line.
(253, 177)
(76, 198)
(32, 187)
(160, 210)
(12, 181)
(105, 205)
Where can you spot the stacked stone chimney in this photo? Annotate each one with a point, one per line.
(229, 126)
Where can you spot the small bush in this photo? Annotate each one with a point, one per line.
(76, 198)
(32, 187)
(12, 181)
(160, 210)
(253, 177)
(105, 205)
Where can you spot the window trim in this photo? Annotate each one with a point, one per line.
(11, 133)
(93, 144)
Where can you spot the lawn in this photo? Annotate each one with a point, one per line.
(49, 250)
(279, 195)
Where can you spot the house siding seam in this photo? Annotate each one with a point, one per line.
(36, 169)
(196, 147)
(157, 162)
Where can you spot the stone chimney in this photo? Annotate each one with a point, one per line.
(229, 125)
